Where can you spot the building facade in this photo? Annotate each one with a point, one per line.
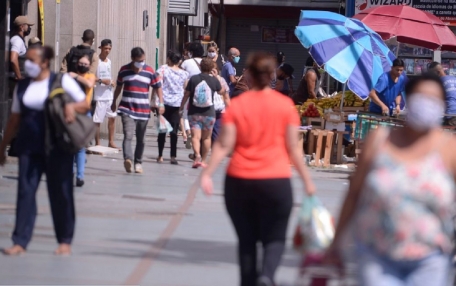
(128, 23)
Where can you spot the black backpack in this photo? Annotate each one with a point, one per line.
(75, 54)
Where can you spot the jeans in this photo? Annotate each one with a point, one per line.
(80, 160)
(376, 270)
(58, 169)
(217, 127)
(131, 125)
(172, 116)
(259, 210)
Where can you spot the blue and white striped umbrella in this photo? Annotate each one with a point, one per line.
(351, 52)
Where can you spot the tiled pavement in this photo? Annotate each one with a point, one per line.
(151, 229)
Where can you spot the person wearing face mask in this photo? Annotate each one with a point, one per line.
(18, 49)
(284, 73)
(401, 199)
(135, 79)
(386, 97)
(38, 155)
(213, 53)
(228, 71)
(70, 61)
(86, 81)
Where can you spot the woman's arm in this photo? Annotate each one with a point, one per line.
(184, 100)
(356, 186)
(295, 156)
(11, 129)
(87, 82)
(222, 147)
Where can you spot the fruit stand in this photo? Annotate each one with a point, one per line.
(327, 114)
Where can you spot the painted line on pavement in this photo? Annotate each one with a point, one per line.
(149, 257)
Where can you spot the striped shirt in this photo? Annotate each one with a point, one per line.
(135, 97)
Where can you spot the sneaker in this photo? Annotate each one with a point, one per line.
(138, 168)
(174, 161)
(188, 144)
(79, 182)
(128, 165)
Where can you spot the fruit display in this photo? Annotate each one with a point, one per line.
(312, 111)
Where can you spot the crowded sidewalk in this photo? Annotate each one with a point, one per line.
(152, 229)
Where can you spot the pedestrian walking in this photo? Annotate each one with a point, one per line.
(258, 193)
(213, 53)
(18, 49)
(401, 198)
(201, 113)
(86, 81)
(173, 82)
(192, 65)
(70, 61)
(136, 78)
(228, 71)
(221, 102)
(104, 94)
(28, 121)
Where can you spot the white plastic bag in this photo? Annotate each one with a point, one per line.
(315, 230)
(163, 126)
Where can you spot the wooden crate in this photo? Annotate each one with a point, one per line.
(320, 143)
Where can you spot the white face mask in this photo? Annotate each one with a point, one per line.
(139, 65)
(32, 69)
(424, 112)
(212, 55)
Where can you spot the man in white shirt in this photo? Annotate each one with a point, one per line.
(18, 49)
(104, 94)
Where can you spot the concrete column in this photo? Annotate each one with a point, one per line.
(438, 56)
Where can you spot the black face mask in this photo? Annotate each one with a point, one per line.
(282, 77)
(26, 33)
(83, 69)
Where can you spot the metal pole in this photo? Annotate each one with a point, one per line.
(343, 96)
(57, 36)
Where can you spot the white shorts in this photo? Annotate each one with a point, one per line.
(102, 110)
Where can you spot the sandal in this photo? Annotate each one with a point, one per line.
(197, 163)
(160, 160)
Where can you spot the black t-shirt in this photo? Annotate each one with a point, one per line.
(213, 83)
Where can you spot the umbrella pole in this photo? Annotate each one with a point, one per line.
(343, 96)
(397, 49)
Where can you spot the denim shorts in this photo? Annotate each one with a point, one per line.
(205, 123)
(377, 270)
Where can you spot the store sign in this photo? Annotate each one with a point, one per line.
(444, 9)
(278, 36)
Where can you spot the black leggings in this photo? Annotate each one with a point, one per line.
(260, 210)
(172, 115)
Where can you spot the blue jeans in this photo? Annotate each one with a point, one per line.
(376, 270)
(80, 161)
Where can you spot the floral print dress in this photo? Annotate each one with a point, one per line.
(405, 211)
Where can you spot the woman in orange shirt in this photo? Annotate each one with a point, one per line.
(86, 81)
(261, 127)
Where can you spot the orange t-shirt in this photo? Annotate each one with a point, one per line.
(89, 91)
(261, 119)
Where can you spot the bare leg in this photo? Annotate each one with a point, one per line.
(206, 141)
(182, 128)
(196, 138)
(111, 132)
(97, 135)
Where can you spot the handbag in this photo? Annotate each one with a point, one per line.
(69, 137)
